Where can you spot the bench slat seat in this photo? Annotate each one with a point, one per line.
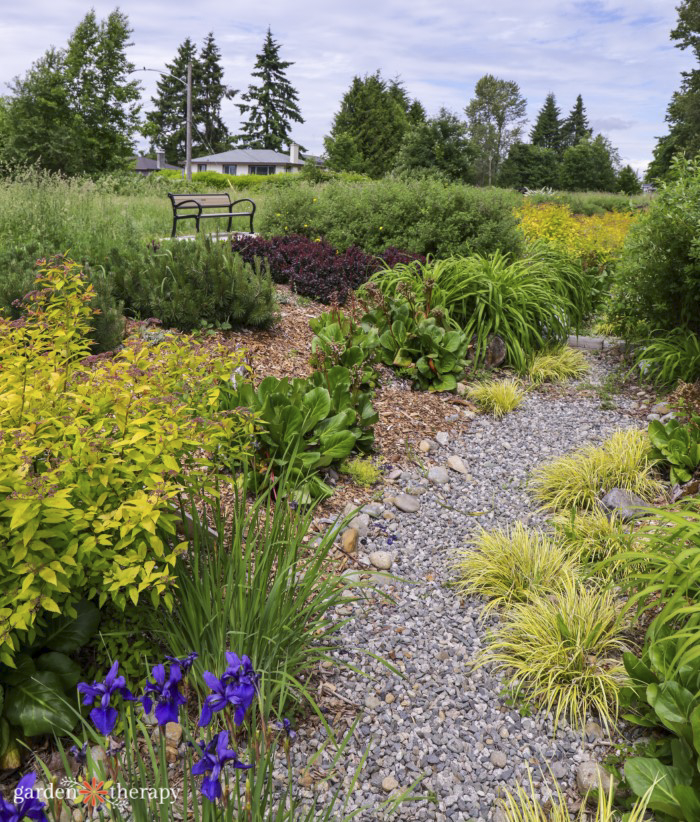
(191, 207)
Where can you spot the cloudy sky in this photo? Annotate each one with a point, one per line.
(616, 53)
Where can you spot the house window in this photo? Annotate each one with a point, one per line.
(229, 169)
(262, 170)
(201, 166)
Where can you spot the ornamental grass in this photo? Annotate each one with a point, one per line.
(557, 365)
(497, 397)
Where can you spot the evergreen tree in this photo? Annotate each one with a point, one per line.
(440, 144)
(529, 166)
(576, 128)
(683, 114)
(628, 181)
(165, 124)
(211, 134)
(546, 132)
(495, 119)
(271, 107)
(369, 128)
(102, 97)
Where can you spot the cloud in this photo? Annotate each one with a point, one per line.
(616, 53)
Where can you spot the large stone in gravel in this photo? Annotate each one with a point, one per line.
(381, 560)
(389, 784)
(660, 408)
(407, 503)
(592, 776)
(455, 463)
(442, 438)
(499, 759)
(349, 540)
(496, 351)
(625, 504)
(425, 446)
(373, 509)
(438, 475)
(361, 524)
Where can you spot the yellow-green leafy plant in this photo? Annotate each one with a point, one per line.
(497, 397)
(561, 650)
(362, 471)
(507, 566)
(557, 365)
(596, 539)
(578, 479)
(94, 452)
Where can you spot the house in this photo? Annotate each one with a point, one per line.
(251, 161)
(146, 166)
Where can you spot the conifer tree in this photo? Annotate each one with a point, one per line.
(546, 132)
(211, 133)
(272, 106)
(576, 128)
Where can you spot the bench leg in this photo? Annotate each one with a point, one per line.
(251, 224)
(174, 226)
(230, 223)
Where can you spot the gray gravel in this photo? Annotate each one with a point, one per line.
(442, 720)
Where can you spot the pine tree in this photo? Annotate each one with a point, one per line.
(576, 128)
(546, 132)
(211, 134)
(271, 107)
(369, 128)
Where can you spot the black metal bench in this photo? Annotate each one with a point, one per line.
(192, 207)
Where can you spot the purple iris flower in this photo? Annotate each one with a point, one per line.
(286, 726)
(105, 716)
(166, 693)
(28, 805)
(236, 687)
(79, 754)
(185, 662)
(215, 755)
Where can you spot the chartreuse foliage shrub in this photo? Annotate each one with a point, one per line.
(420, 216)
(560, 650)
(93, 452)
(306, 424)
(528, 302)
(185, 284)
(578, 479)
(507, 566)
(497, 397)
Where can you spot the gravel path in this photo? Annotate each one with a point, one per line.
(441, 719)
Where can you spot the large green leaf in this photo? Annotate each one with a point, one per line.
(315, 407)
(63, 666)
(643, 773)
(40, 706)
(5, 735)
(672, 704)
(637, 670)
(403, 358)
(69, 635)
(336, 445)
(24, 668)
(689, 799)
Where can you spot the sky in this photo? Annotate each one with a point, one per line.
(616, 53)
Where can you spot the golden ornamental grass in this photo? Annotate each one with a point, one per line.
(558, 365)
(497, 397)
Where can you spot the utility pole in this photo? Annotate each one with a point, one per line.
(188, 137)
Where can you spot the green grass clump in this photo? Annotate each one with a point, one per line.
(362, 471)
(576, 480)
(561, 650)
(507, 566)
(497, 396)
(595, 538)
(558, 365)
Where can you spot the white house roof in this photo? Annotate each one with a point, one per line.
(251, 156)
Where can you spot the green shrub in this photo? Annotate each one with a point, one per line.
(185, 284)
(508, 566)
(420, 216)
(657, 282)
(561, 650)
(92, 452)
(307, 424)
(577, 479)
(362, 471)
(528, 303)
(670, 357)
(341, 340)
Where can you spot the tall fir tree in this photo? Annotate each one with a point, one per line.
(369, 128)
(546, 132)
(271, 107)
(576, 128)
(211, 134)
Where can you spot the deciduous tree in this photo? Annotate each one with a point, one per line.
(439, 144)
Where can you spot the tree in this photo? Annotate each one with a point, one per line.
(546, 132)
(103, 100)
(439, 144)
(209, 91)
(576, 128)
(628, 181)
(369, 128)
(529, 166)
(590, 165)
(495, 119)
(272, 106)
(683, 113)
(165, 123)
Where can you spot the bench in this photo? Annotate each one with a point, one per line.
(192, 207)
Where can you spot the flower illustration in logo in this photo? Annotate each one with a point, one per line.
(93, 793)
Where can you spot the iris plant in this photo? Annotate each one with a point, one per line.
(215, 756)
(104, 715)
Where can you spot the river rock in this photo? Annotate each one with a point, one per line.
(381, 560)
(624, 504)
(407, 503)
(425, 446)
(389, 784)
(373, 509)
(442, 438)
(592, 776)
(438, 475)
(349, 540)
(361, 524)
(455, 463)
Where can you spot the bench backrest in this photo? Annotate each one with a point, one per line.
(203, 200)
